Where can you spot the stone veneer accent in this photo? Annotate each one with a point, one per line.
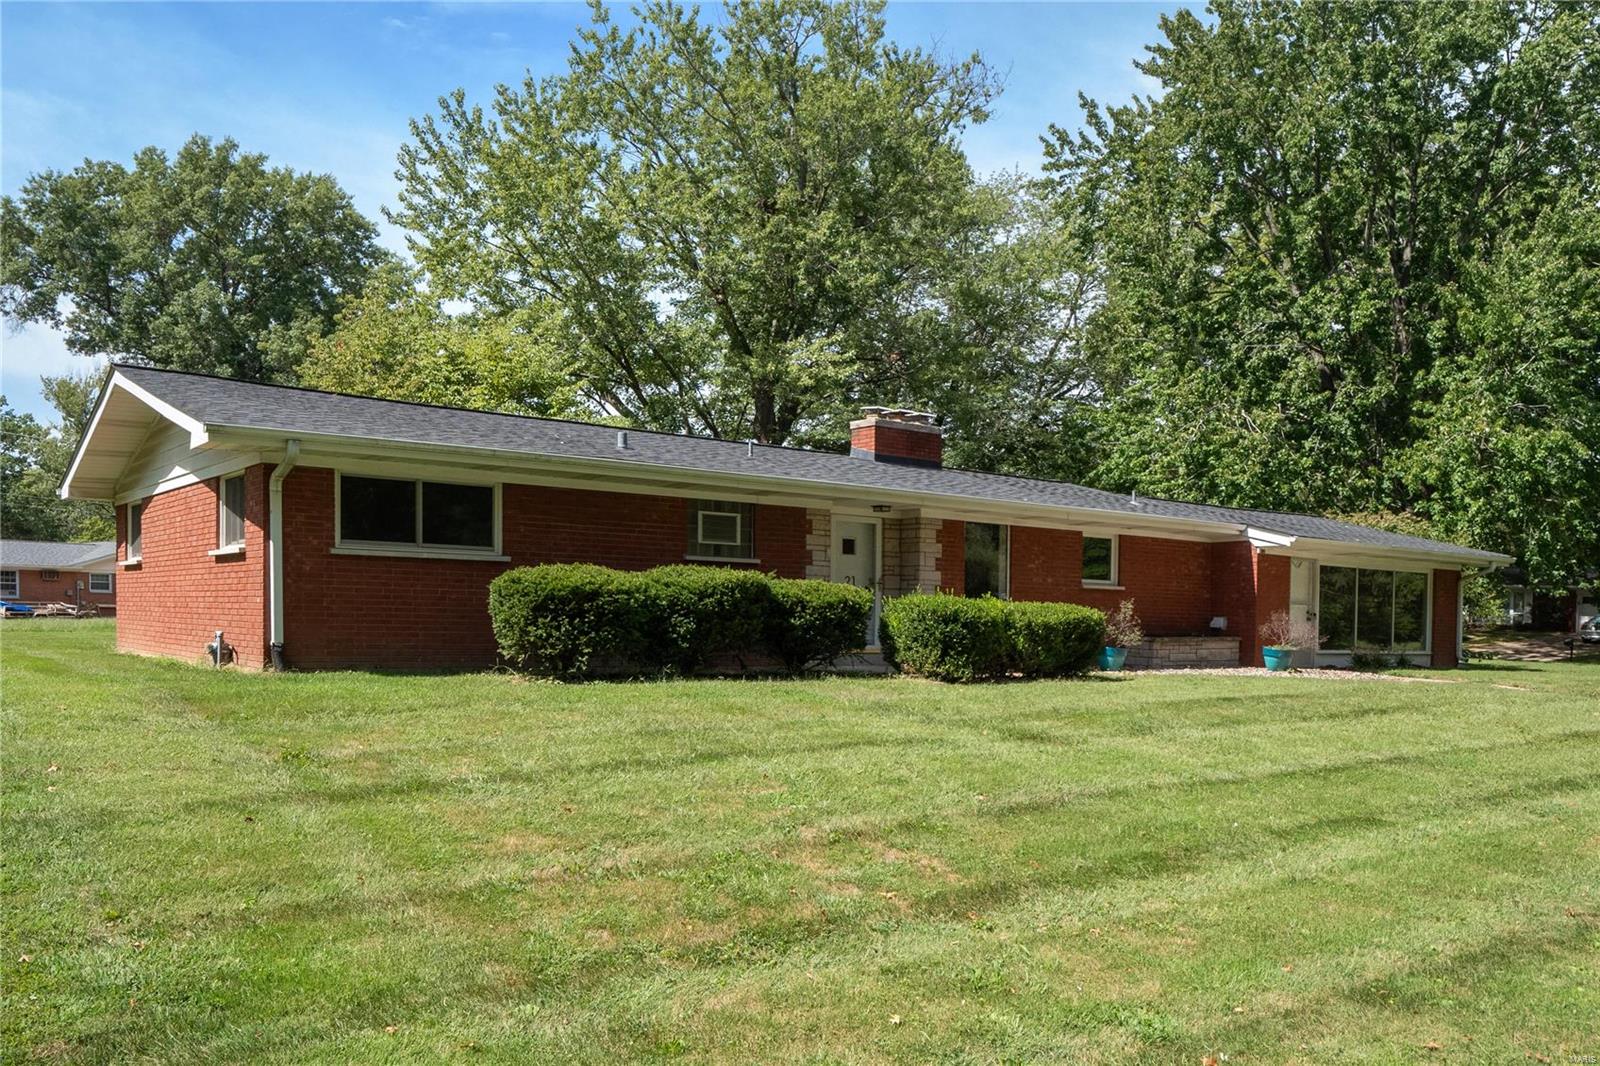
(1168, 653)
(819, 543)
(917, 567)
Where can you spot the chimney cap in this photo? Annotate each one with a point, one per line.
(900, 414)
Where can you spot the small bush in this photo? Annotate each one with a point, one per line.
(1281, 631)
(947, 637)
(815, 622)
(1123, 628)
(704, 610)
(553, 620)
(1053, 639)
(1373, 657)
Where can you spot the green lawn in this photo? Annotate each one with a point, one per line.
(352, 867)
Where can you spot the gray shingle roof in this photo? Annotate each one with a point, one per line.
(53, 555)
(226, 402)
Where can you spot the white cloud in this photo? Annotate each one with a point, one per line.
(28, 351)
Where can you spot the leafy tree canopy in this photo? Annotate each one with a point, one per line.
(210, 261)
(736, 220)
(1348, 262)
(397, 342)
(34, 460)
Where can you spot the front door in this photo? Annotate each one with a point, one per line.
(1303, 604)
(855, 562)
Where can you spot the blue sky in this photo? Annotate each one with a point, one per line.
(330, 87)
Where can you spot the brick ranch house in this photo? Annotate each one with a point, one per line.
(36, 572)
(355, 532)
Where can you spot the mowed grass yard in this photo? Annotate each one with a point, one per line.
(204, 866)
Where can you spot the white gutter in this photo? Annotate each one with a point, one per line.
(291, 455)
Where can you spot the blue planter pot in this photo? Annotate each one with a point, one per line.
(1113, 658)
(1278, 658)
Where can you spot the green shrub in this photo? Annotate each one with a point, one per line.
(815, 622)
(707, 609)
(947, 637)
(1053, 639)
(554, 619)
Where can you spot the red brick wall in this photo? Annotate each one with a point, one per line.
(173, 601)
(1169, 581)
(883, 438)
(1445, 583)
(391, 612)
(953, 557)
(63, 588)
(1247, 587)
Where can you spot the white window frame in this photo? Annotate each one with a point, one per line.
(1358, 566)
(417, 548)
(224, 545)
(135, 545)
(11, 583)
(110, 584)
(738, 528)
(1115, 580)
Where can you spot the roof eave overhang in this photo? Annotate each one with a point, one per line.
(1335, 550)
(77, 487)
(228, 436)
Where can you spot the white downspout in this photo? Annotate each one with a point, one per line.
(291, 455)
(1461, 618)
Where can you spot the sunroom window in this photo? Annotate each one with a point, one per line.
(1365, 608)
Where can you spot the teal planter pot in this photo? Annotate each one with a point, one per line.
(1277, 658)
(1113, 658)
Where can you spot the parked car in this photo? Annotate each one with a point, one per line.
(1589, 631)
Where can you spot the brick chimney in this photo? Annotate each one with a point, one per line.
(891, 435)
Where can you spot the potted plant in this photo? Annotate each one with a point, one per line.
(1282, 636)
(1123, 631)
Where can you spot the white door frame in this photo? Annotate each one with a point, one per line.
(1304, 657)
(876, 522)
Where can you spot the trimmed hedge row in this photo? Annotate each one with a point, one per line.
(566, 620)
(950, 638)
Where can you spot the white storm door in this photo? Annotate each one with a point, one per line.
(855, 562)
(1303, 603)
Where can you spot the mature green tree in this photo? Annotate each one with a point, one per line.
(208, 261)
(736, 217)
(35, 460)
(396, 341)
(1347, 265)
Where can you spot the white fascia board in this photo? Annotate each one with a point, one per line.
(1265, 538)
(196, 429)
(1351, 553)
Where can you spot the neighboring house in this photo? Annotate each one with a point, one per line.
(42, 571)
(350, 531)
(1555, 609)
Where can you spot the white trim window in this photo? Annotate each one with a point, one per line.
(101, 584)
(1359, 608)
(722, 530)
(987, 560)
(135, 532)
(1100, 561)
(230, 512)
(405, 516)
(10, 583)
